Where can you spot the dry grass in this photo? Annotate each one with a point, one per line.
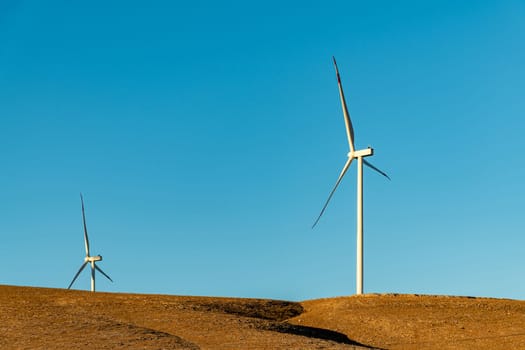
(41, 318)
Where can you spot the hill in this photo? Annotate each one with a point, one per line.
(42, 318)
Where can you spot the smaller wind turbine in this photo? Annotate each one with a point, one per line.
(359, 155)
(88, 259)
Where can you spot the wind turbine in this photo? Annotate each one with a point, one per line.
(88, 259)
(359, 155)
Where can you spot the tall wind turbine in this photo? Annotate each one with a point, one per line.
(359, 155)
(88, 259)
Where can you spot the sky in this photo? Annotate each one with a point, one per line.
(206, 136)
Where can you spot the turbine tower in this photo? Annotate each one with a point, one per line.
(88, 259)
(359, 155)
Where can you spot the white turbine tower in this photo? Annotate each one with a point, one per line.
(88, 259)
(359, 155)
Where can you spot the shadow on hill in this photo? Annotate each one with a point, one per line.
(312, 332)
(274, 310)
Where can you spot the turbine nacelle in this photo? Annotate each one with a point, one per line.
(361, 153)
(93, 258)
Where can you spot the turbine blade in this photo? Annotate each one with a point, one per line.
(343, 172)
(78, 273)
(348, 121)
(86, 240)
(367, 163)
(102, 272)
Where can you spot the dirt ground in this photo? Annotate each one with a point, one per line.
(42, 318)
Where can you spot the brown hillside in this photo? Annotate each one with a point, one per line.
(41, 318)
(421, 322)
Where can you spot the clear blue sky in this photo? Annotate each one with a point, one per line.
(206, 136)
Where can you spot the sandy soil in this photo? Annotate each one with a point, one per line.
(41, 318)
